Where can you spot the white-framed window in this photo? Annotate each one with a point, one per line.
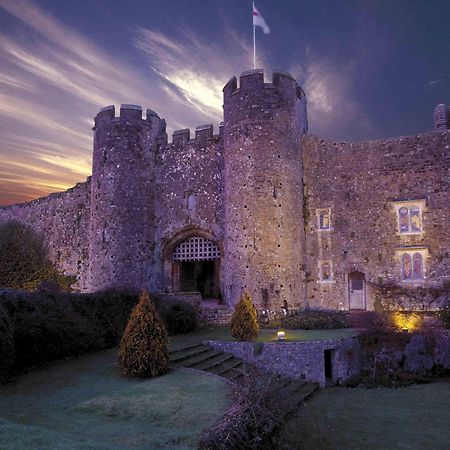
(325, 271)
(323, 219)
(409, 216)
(412, 264)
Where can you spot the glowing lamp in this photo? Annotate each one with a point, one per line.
(281, 335)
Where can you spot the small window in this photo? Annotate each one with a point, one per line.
(325, 272)
(409, 216)
(324, 220)
(191, 202)
(412, 267)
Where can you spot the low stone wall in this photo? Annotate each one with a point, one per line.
(300, 360)
(193, 298)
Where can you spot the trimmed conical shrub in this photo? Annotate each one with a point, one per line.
(143, 349)
(244, 325)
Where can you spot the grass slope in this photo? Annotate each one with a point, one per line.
(414, 417)
(87, 404)
(265, 335)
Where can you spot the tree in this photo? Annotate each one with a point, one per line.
(143, 349)
(244, 325)
(24, 261)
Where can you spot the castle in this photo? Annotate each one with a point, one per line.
(261, 205)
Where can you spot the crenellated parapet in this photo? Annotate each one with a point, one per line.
(129, 114)
(203, 136)
(253, 99)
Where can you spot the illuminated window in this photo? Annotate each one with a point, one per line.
(324, 219)
(409, 216)
(412, 264)
(325, 272)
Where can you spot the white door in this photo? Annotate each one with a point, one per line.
(356, 290)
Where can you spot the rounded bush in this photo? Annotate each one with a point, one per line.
(143, 349)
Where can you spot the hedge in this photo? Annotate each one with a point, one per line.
(44, 326)
(316, 320)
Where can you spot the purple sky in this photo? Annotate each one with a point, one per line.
(370, 69)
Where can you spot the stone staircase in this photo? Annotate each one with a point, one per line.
(286, 393)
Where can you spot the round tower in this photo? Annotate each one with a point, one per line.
(122, 198)
(263, 229)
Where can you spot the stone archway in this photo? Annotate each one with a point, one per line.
(192, 263)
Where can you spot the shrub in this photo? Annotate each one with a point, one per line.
(372, 320)
(143, 349)
(6, 344)
(444, 313)
(316, 320)
(244, 325)
(48, 326)
(24, 262)
(180, 318)
(252, 421)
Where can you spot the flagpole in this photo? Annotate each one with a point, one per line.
(254, 47)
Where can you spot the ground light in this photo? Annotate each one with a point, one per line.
(407, 322)
(281, 335)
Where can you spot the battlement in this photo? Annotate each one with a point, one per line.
(252, 83)
(128, 114)
(203, 134)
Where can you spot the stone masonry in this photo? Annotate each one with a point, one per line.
(261, 205)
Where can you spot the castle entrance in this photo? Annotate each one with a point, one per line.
(196, 267)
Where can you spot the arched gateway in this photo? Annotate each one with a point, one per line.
(192, 264)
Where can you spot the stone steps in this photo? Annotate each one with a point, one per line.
(285, 394)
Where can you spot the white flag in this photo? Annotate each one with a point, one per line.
(258, 20)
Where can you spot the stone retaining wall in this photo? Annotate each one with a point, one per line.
(300, 360)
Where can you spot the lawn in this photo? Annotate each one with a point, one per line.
(87, 404)
(414, 417)
(265, 335)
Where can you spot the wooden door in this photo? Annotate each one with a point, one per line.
(357, 290)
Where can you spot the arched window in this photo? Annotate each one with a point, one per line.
(406, 267)
(412, 266)
(326, 273)
(417, 266)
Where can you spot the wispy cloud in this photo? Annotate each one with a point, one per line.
(333, 110)
(193, 68)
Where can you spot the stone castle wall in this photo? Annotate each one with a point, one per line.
(300, 360)
(189, 194)
(360, 184)
(122, 243)
(263, 124)
(256, 189)
(63, 220)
